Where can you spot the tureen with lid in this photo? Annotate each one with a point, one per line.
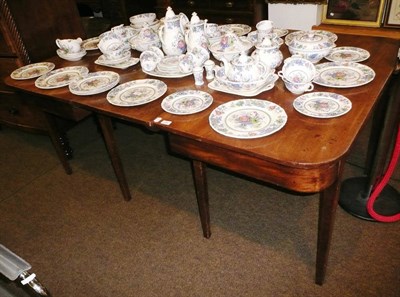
(312, 45)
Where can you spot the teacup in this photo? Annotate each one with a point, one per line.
(297, 70)
(212, 30)
(110, 42)
(70, 46)
(263, 27)
(117, 54)
(123, 32)
(149, 60)
(298, 88)
(200, 55)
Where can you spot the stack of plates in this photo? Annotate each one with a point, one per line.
(169, 64)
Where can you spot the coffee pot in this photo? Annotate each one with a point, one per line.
(171, 34)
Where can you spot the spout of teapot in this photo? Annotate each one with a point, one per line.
(226, 65)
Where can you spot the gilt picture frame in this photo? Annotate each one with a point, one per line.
(391, 17)
(366, 13)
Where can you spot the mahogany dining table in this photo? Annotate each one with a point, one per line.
(306, 156)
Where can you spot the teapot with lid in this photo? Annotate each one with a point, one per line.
(243, 68)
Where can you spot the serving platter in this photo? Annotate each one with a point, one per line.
(248, 118)
(186, 102)
(32, 70)
(61, 77)
(347, 54)
(136, 92)
(322, 105)
(343, 74)
(94, 83)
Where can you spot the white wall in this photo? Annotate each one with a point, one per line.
(295, 16)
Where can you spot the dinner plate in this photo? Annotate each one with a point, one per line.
(94, 83)
(269, 84)
(32, 70)
(186, 102)
(238, 29)
(322, 105)
(90, 44)
(61, 77)
(347, 54)
(248, 118)
(137, 92)
(343, 74)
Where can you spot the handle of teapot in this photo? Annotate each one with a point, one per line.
(161, 33)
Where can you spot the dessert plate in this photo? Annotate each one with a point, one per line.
(61, 77)
(280, 31)
(347, 54)
(137, 92)
(32, 70)
(253, 38)
(187, 102)
(343, 74)
(171, 74)
(91, 43)
(248, 118)
(94, 83)
(322, 105)
(122, 65)
(238, 29)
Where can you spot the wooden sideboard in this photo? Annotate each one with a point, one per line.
(218, 11)
(26, 37)
(358, 30)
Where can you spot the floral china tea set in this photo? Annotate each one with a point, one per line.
(176, 45)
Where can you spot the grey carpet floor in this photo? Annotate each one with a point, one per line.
(82, 239)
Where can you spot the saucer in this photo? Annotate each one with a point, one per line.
(71, 57)
(108, 62)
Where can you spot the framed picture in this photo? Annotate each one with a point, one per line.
(392, 14)
(366, 13)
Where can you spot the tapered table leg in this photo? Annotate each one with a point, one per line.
(56, 138)
(109, 139)
(328, 202)
(200, 180)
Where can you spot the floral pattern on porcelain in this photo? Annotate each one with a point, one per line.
(171, 34)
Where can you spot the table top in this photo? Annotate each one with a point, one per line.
(304, 142)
